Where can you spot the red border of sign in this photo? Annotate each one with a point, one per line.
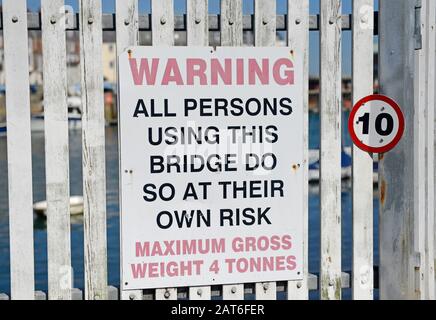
(353, 135)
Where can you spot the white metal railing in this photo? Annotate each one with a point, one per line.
(231, 22)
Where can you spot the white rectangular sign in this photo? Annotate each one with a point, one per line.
(211, 166)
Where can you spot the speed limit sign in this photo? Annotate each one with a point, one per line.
(376, 124)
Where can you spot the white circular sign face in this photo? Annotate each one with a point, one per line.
(376, 124)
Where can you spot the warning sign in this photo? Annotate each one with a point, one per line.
(211, 166)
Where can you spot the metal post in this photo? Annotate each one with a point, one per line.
(404, 208)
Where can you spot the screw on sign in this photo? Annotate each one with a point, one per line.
(376, 124)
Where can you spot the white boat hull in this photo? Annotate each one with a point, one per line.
(76, 206)
(345, 171)
(314, 174)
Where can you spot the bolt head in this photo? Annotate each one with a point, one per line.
(167, 294)
(199, 292)
(163, 20)
(197, 20)
(298, 21)
(90, 20)
(126, 22)
(233, 290)
(52, 19)
(331, 20)
(132, 296)
(14, 19)
(265, 286)
(231, 22)
(264, 21)
(299, 285)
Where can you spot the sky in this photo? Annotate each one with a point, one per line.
(214, 7)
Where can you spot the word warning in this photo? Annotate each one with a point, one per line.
(211, 166)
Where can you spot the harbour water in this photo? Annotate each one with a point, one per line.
(40, 232)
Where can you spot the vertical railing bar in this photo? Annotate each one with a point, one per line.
(430, 138)
(298, 42)
(19, 149)
(200, 293)
(93, 154)
(265, 23)
(231, 23)
(265, 35)
(166, 294)
(419, 166)
(56, 150)
(362, 172)
(330, 153)
(127, 34)
(396, 174)
(231, 35)
(162, 21)
(197, 23)
(197, 27)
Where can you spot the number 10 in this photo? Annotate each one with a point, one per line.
(378, 124)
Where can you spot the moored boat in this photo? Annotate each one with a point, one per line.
(346, 165)
(74, 116)
(76, 206)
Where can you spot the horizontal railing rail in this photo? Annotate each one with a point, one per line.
(109, 22)
(216, 291)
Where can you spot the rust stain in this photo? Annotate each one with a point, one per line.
(129, 52)
(381, 156)
(295, 167)
(383, 192)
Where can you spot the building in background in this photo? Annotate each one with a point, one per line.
(109, 65)
(109, 57)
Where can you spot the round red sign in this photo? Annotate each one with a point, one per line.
(376, 124)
